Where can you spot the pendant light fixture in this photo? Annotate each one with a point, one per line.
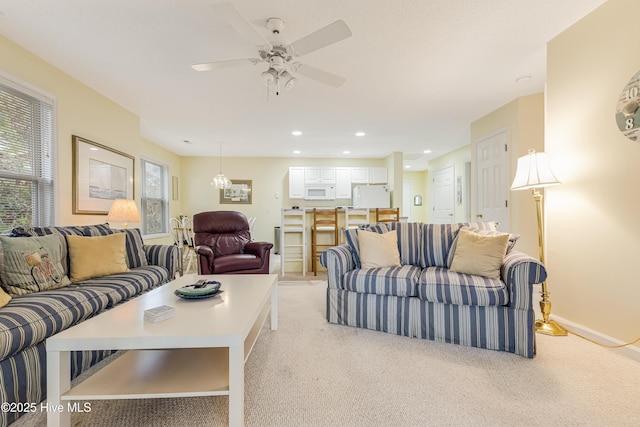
(220, 181)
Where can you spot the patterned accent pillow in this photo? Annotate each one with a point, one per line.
(351, 235)
(513, 238)
(32, 264)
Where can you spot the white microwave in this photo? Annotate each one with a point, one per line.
(319, 192)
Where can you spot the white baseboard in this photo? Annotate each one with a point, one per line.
(631, 351)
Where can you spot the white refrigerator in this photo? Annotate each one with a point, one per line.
(371, 196)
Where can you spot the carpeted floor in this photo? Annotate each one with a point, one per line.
(312, 373)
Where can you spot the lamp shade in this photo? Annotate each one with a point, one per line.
(124, 210)
(533, 171)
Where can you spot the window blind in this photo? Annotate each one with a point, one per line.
(26, 159)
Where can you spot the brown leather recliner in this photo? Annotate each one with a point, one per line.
(224, 246)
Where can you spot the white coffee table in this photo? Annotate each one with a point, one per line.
(199, 352)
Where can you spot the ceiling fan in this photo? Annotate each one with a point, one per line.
(280, 57)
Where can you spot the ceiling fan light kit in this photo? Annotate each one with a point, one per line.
(278, 55)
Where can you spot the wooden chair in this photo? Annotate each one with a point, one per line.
(355, 217)
(387, 215)
(324, 220)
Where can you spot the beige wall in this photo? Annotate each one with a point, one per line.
(457, 158)
(84, 112)
(593, 228)
(270, 182)
(419, 188)
(523, 118)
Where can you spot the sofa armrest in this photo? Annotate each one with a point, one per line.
(167, 256)
(338, 260)
(520, 272)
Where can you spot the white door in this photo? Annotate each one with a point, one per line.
(407, 198)
(443, 196)
(493, 179)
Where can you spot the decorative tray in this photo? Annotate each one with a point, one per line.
(199, 290)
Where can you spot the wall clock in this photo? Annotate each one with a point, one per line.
(628, 111)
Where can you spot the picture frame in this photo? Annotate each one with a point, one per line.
(239, 193)
(100, 175)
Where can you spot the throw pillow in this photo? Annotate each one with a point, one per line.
(513, 238)
(480, 255)
(32, 264)
(378, 250)
(136, 256)
(351, 236)
(96, 256)
(4, 298)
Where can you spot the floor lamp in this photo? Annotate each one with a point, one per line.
(533, 172)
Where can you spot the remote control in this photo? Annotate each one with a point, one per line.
(200, 284)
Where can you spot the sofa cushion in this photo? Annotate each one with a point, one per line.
(96, 256)
(237, 262)
(399, 281)
(32, 264)
(479, 254)
(378, 250)
(437, 240)
(119, 287)
(29, 319)
(409, 241)
(439, 284)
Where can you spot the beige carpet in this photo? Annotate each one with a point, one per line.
(312, 373)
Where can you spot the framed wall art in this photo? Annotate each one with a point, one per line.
(238, 193)
(100, 175)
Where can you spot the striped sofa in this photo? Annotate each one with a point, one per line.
(28, 320)
(423, 299)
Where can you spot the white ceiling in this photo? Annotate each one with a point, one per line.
(418, 72)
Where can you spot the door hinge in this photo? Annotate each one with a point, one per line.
(505, 147)
(506, 203)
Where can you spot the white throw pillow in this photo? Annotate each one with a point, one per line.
(378, 250)
(481, 255)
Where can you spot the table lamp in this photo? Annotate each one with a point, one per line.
(124, 210)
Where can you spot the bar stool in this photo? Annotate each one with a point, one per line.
(293, 223)
(354, 218)
(323, 220)
(178, 240)
(387, 215)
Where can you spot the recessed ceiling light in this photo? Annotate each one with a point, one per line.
(296, 133)
(296, 151)
(360, 134)
(346, 152)
(407, 167)
(427, 151)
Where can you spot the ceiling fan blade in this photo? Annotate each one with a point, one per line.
(224, 64)
(241, 24)
(330, 34)
(320, 75)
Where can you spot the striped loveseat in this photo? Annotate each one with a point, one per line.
(423, 298)
(28, 320)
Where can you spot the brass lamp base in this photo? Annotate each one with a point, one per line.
(550, 327)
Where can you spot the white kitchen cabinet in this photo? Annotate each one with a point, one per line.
(359, 175)
(377, 175)
(296, 182)
(343, 183)
(316, 175)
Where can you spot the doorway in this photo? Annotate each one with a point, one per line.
(443, 195)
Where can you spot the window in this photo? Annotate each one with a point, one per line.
(155, 203)
(26, 157)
